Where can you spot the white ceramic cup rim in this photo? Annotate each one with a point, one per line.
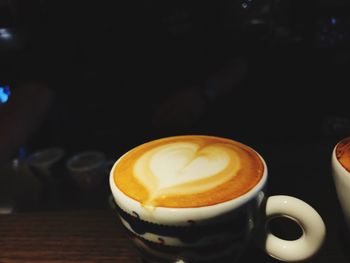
(170, 215)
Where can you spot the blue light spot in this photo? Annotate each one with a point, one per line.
(333, 21)
(5, 34)
(4, 94)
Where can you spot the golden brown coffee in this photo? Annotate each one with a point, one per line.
(188, 171)
(343, 153)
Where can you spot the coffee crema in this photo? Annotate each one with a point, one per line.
(188, 171)
(343, 153)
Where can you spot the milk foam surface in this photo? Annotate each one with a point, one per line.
(187, 171)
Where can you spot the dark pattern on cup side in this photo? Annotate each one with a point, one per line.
(193, 233)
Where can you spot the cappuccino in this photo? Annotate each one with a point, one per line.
(188, 171)
(343, 153)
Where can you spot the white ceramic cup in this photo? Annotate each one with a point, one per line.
(221, 232)
(341, 178)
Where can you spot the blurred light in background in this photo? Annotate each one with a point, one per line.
(333, 21)
(5, 93)
(5, 33)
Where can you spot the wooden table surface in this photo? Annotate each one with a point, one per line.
(96, 235)
(80, 236)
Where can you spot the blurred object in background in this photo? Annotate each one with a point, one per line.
(332, 24)
(12, 35)
(21, 117)
(7, 189)
(89, 169)
(12, 39)
(19, 189)
(333, 30)
(250, 19)
(45, 165)
(332, 41)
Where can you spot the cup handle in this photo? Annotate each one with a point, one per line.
(311, 223)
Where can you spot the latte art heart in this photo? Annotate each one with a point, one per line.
(188, 171)
(169, 169)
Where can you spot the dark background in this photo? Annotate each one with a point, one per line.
(112, 63)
